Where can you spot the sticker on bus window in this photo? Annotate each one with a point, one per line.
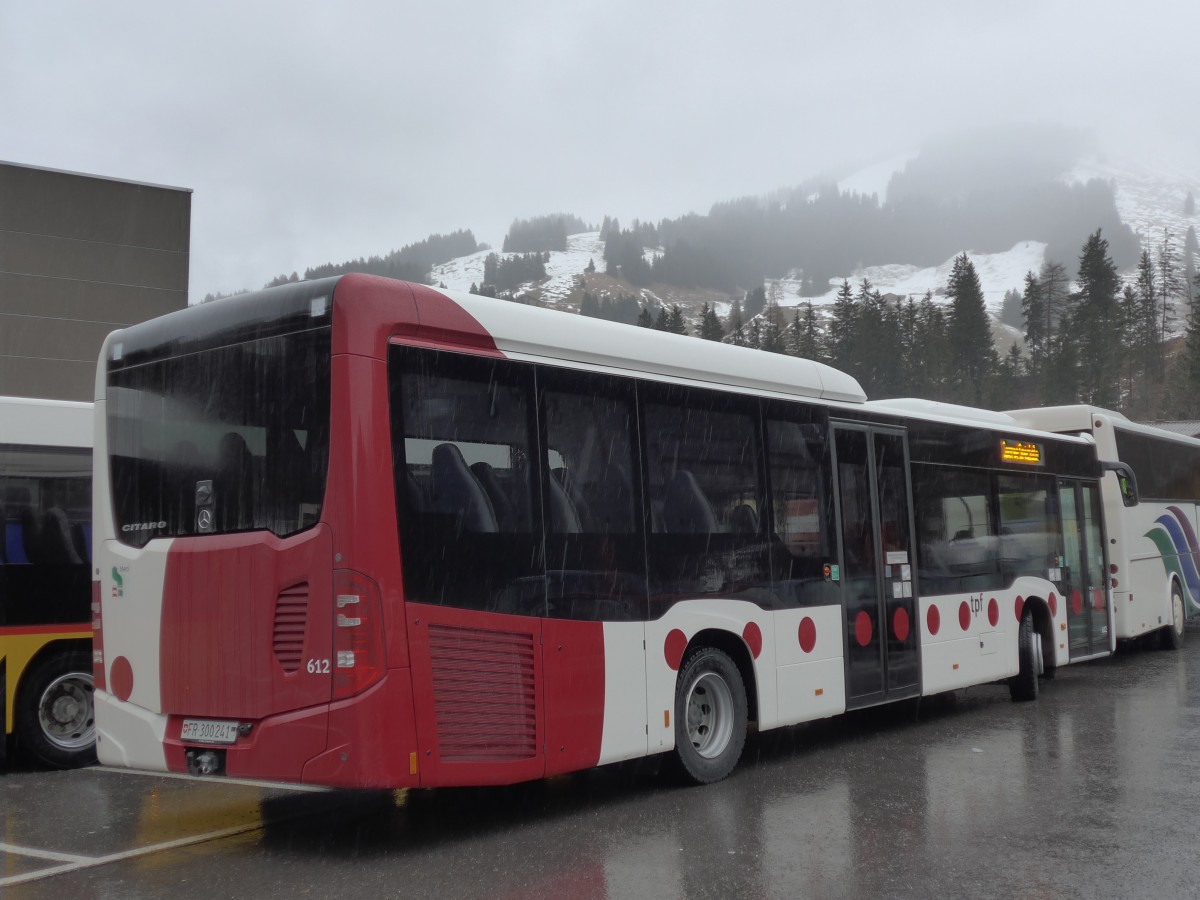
(897, 558)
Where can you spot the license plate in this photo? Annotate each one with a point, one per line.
(207, 731)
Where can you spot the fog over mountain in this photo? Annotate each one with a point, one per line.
(314, 133)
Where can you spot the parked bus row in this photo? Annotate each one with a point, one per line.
(364, 533)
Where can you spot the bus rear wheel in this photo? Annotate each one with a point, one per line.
(1172, 634)
(710, 716)
(56, 713)
(1024, 685)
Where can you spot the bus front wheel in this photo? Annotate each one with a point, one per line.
(1172, 635)
(56, 713)
(1024, 685)
(710, 716)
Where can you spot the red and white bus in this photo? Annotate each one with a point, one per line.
(358, 532)
(1154, 557)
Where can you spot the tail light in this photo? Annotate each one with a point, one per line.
(357, 634)
(97, 640)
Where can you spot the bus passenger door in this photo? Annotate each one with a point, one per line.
(878, 590)
(1084, 589)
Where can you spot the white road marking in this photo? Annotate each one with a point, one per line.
(43, 854)
(91, 862)
(71, 862)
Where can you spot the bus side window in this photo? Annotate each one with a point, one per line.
(801, 522)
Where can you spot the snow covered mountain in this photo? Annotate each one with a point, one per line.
(1150, 199)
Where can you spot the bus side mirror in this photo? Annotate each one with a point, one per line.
(1126, 480)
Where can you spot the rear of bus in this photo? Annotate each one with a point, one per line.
(239, 631)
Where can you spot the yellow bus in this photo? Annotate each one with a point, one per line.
(45, 622)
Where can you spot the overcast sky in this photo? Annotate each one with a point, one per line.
(313, 133)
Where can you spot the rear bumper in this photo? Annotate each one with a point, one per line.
(366, 741)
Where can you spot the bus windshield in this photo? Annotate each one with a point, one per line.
(226, 439)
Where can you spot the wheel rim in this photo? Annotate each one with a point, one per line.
(1177, 612)
(710, 715)
(66, 713)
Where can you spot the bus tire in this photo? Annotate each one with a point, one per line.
(55, 717)
(1172, 635)
(1024, 685)
(710, 716)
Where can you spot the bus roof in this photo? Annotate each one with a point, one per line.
(1082, 418)
(48, 423)
(527, 332)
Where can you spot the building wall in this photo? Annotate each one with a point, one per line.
(80, 256)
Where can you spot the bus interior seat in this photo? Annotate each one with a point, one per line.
(576, 496)
(743, 519)
(414, 493)
(685, 508)
(562, 517)
(20, 527)
(507, 519)
(81, 537)
(457, 491)
(56, 545)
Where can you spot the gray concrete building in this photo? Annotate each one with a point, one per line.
(81, 255)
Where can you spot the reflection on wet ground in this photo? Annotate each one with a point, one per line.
(1085, 793)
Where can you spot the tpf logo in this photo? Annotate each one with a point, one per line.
(118, 588)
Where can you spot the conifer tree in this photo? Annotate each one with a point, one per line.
(842, 328)
(662, 322)
(1168, 284)
(737, 331)
(710, 325)
(675, 323)
(1189, 362)
(756, 301)
(1033, 309)
(973, 358)
(645, 319)
(1096, 324)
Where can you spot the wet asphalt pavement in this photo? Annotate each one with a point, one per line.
(1089, 792)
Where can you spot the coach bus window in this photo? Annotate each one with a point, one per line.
(464, 491)
(958, 544)
(45, 513)
(703, 466)
(801, 522)
(1029, 526)
(1165, 469)
(595, 550)
(251, 420)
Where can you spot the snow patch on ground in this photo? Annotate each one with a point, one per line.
(998, 273)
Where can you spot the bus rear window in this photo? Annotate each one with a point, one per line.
(241, 432)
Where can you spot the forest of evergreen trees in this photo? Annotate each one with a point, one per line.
(1089, 336)
(542, 233)
(410, 263)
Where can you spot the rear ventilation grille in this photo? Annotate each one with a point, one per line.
(484, 694)
(291, 617)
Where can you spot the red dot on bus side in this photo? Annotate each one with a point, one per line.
(753, 638)
(993, 612)
(673, 648)
(120, 678)
(1076, 601)
(1019, 606)
(807, 634)
(1053, 602)
(933, 620)
(964, 616)
(900, 624)
(863, 629)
